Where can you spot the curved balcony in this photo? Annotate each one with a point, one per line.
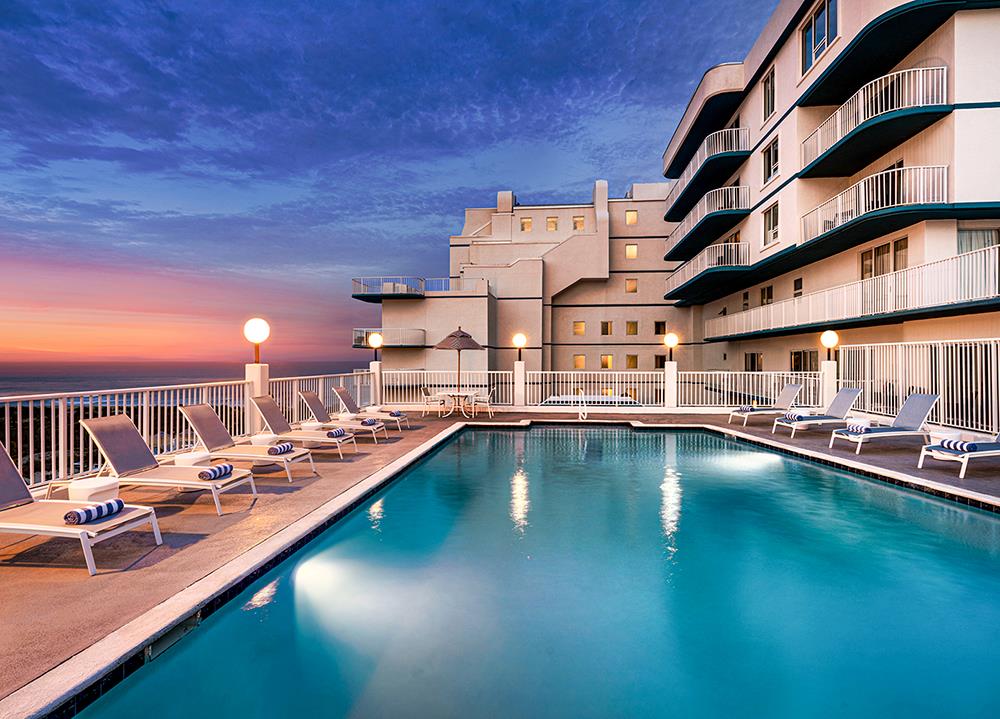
(707, 269)
(390, 337)
(717, 158)
(880, 203)
(376, 289)
(881, 115)
(717, 211)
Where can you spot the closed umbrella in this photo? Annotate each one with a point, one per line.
(458, 341)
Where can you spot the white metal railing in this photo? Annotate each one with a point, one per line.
(387, 286)
(44, 436)
(915, 87)
(285, 391)
(732, 389)
(736, 139)
(391, 337)
(967, 277)
(405, 386)
(891, 188)
(726, 254)
(718, 200)
(966, 373)
(451, 284)
(599, 388)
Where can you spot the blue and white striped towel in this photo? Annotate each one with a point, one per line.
(94, 512)
(216, 471)
(794, 416)
(958, 445)
(369, 422)
(395, 413)
(857, 428)
(283, 448)
(745, 408)
(334, 433)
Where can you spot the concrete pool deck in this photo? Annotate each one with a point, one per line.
(54, 612)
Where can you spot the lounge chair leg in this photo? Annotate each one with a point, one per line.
(88, 553)
(746, 418)
(965, 466)
(920, 462)
(793, 432)
(156, 527)
(340, 450)
(288, 469)
(312, 465)
(833, 436)
(858, 450)
(215, 498)
(253, 488)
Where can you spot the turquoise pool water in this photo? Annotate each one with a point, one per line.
(605, 572)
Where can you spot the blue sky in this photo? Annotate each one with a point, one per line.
(286, 147)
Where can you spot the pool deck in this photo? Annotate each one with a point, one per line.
(52, 611)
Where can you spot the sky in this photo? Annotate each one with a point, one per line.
(171, 169)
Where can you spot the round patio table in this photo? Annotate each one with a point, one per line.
(458, 398)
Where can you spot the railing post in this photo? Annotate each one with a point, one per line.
(827, 382)
(376, 387)
(670, 384)
(63, 424)
(144, 425)
(519, 384)
(258, 379)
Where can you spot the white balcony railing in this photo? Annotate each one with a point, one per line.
(391, 337)
(726, 254)
(405, 386)
(969, 277)
(735, 139)
(451, 284)
(285, 391)
(916, 87)
(387, 286)
(718, 200)
(883, 190)
(732, 389)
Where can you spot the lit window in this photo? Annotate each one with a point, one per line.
(631, 251)
(607, 328)
(804, 361)
(771, 225)
(632, 327)
(770, 155)
(817, 33)
(659, 327)
(579, 361)
(659, 361)
(631, 217)
(578, 222)
(579, 328)
(767, 295)
(631, 285)
(631, 361)
(797, 287)
(767, 86)
(746, 301)
(606, 362)
(525, 224)
(551, 224)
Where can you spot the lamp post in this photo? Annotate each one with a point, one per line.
(671, 340)
(519, 341)
(375, 340)
(256, 331)
(829, 339)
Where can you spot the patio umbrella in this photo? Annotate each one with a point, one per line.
(458, 341)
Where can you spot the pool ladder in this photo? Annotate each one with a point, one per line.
(582, 414)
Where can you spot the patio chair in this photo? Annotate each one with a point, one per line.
(214, 436)
(315, 404)
(432, 400)
(21, 513)
(781, 405)
(128, 458)
(962, 452)
(836, 413)
(483, 401)
(277, 424)
(909, 422)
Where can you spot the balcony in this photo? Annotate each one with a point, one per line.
(716, 212)
(959, 284)
(881, 115)
(706, 270)
(395, 338)
(717, 158)
(376, 289)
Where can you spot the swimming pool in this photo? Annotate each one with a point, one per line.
(594, 572)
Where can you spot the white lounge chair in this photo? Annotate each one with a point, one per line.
(214, 436)
(909, 422)
(278, 425)
(318, 411)
(357, 426)
(129, 459)
(781, 405)
(978, 450)
(836, 413)
(21, 513)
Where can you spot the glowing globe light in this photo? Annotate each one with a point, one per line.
(256, 330)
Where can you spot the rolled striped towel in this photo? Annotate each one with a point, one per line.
(334, 433)
(369, 422)
(395, 413)
(857, 428)
(283, 448)
(794, 416)
(94, 512)
(745, 408)
(216, 471)
(958, 445)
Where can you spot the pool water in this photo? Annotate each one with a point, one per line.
(599, 572)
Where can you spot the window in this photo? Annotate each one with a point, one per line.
(632, 327)
(579, 361)
(746, 300)
(820, 29)
(551, 224)
(631, 251)
(525, 224)
(607, 328)
(578, 222)
(771, 225)
(770, 160)
(607, 362)
(631, 285)
(631, 217)
(883, 259)
(579, 328)
(804, 361)
(900, 249)
(753, 362)
(970, 240)
(767, 295)
(767, 86)
(797, 287)
(659, 327)
(659, 361)
(631, 361)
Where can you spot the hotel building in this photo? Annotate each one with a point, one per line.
(845, 175)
